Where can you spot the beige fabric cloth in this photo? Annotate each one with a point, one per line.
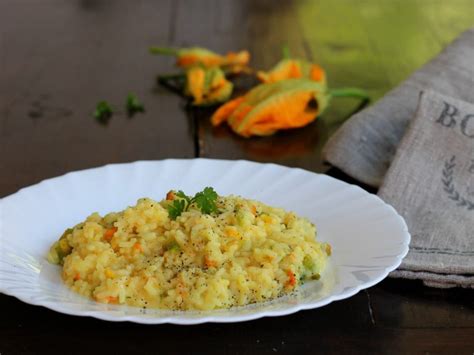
(364, 146)
(431, 184)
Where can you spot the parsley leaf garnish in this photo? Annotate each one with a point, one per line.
(133, 105)
(176, 208)
(103, 112)
(182, 195)
(204, 200)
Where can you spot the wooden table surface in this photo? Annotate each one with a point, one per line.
(59, 58)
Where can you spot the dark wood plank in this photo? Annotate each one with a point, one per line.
(327, 330)
(58, 59)
(408, 304)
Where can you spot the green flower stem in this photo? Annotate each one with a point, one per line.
(350, 92)
(285, 51)
(163, 51)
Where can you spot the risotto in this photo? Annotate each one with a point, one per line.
(185, 253)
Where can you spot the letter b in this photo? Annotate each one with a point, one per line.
(447, 116)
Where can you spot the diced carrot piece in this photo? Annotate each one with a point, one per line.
(109, 233)
(253, 209)
(137, 246)
(209, 263)
(291, 278)
(112, 299)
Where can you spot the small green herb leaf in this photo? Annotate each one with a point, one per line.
(173, 246)
(176, 208)
(103, 112)
(133, 105)
(206, 200)
(182, 195)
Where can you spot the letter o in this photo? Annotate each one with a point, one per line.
(464, 127)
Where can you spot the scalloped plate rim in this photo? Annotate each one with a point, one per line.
(179, 320)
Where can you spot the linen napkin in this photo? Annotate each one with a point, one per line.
(431, 184)
(365, 144)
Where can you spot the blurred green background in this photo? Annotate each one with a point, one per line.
(370, 43)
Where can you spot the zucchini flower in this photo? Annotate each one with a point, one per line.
(284, 104)
(267, 108)
(293, 69)
(207, 86)
(234, 62)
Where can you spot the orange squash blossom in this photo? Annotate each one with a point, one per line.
(293, 69)
(207, 86)
(267, 108)
(186, 57)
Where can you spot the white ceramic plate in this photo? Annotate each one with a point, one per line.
(368, 237)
